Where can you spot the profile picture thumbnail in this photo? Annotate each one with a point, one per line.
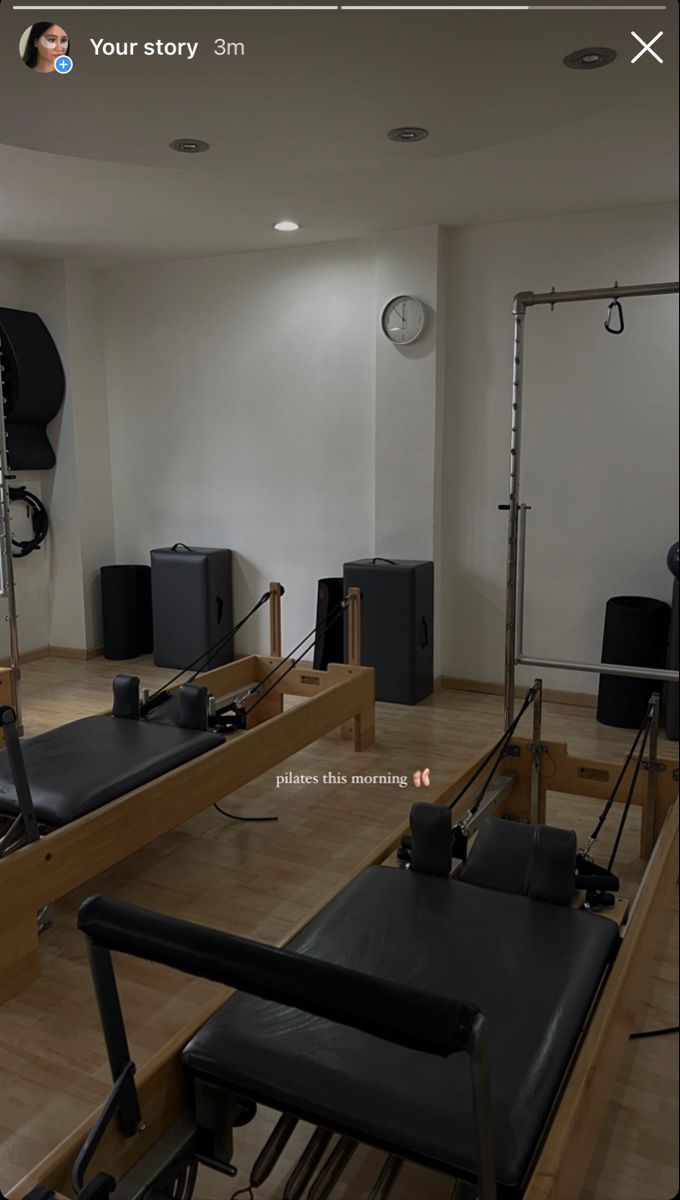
(42, 45)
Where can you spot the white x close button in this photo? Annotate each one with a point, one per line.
(646, 46)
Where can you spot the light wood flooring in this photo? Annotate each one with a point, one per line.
(258, 880)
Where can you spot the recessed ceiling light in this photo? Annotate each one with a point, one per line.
(286, 226)
(408, 133)
(590, 58)
(189, 146)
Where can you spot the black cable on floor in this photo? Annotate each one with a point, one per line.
(233, 817)
(647, 1033)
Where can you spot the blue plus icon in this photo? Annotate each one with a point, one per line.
(63, 64)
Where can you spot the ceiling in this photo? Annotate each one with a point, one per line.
(297, 128)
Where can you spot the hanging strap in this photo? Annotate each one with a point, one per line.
(615, 308)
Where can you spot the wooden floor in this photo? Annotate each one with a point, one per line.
(257, 880)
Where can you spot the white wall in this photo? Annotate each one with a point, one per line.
(599, 459)
(57, 586)
(20, 287)
(241, 409)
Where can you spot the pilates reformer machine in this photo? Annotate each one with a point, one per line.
(78, 799)
(462, 1003)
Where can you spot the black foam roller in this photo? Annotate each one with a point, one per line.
(635, 635)
(672, 721)
(330, 645)
(126, 608)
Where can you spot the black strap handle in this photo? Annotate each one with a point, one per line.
(181, 546)
(403, 1015)
(615, 307)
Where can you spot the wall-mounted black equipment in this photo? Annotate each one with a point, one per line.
(40, 521)
(33, 386)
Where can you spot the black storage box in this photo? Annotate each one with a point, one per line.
(397, 614)
(126, 611)
(192, 604)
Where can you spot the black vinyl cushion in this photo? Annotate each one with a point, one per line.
(531, 967)
(82, 766)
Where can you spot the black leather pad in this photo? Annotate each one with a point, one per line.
(82, 766)
(532, 968)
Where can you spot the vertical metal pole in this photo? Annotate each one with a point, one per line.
(6, 564)
(647, 835)
(513, 510)
(17, 768)
(113, 1027)
(537, 815)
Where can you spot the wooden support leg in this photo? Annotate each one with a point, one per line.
(363, 728)
(19, 957)
(275, 619)
(351, 728)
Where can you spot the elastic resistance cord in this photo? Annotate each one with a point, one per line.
(499, 746)
(219, 646)
(612, 796)
(327, 624)
(318, 629)
(501, 752)
(631, 789)
(212, 650)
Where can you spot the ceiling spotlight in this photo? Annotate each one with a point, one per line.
(286, 226)
(189, 146)
(590, 58)
(408, 133)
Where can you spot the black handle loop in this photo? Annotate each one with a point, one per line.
(181, 546)
(615, 307)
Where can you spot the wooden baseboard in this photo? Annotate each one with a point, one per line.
(29, 656)
(552, 695)
(73, 652)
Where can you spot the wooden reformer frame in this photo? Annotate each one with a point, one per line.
(562, 1162)
(40, 873)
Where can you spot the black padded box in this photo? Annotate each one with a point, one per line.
(397, 614)
(192, 604)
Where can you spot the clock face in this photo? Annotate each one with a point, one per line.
(403, 320)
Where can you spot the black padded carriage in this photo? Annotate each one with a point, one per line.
(533, 968)
(80, 767)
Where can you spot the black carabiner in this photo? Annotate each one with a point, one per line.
(614, 307)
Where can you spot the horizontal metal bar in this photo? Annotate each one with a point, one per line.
(524, 300)
(565, 664)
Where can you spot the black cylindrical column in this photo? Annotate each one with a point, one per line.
(126, 608)
(670, 691)
(635, 635)
(330, 647)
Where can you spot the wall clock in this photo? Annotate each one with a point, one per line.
(403, 320)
